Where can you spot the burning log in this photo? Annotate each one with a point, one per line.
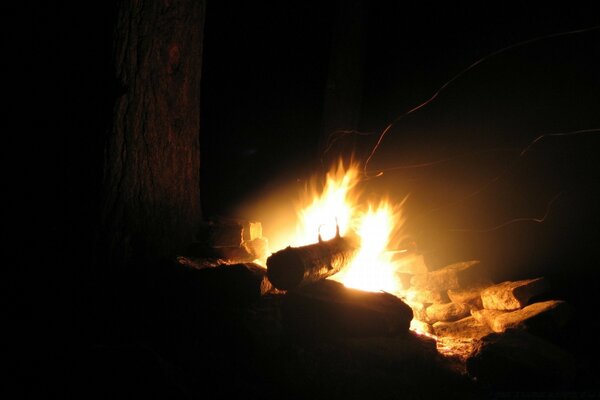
(296, 266)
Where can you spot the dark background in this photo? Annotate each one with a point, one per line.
(265, 69)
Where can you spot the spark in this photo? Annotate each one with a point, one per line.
(538, 220)
(460, 74)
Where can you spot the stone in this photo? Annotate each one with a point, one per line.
(487, 316)
(421, 328)
(455, 276)
(419, 310)
(447, 312)
(468, 295)
(414, 295)
(512, 295)
(251, 230)
(540, 317)
(467, 327)
(410, 263)
(519, 360)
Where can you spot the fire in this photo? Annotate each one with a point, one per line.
(321, 213)
(339, 203)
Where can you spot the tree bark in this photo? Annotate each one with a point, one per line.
(152, 204)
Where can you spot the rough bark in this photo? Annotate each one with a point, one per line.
(297, 266)
(152, 158)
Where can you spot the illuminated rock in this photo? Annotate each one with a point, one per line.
(468, 328)
(447, 312)
(427, 296)
(468, 295)
(455, 276)
(540, 317)
(512, 295)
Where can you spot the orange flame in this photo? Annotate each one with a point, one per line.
(338, 202)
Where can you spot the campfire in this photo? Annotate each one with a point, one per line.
(348, 270)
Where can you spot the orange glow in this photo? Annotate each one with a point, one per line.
(339, 201)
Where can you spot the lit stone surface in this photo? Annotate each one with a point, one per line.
(512, 295)
(447, 312)
(455, 276)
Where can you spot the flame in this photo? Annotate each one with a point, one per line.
(322, 211)
(338, 203)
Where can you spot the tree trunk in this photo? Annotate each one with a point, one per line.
(152, 171)
(343, 94)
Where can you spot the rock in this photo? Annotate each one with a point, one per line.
(411, 263)
(518, 360)
(404, 280)
(468, 295)
(454, 276)
(258, 248)
(419, 310)
(414, 295)
(487, 316)
(421, 328)
(447, 312)
(512, 295)
(467, 327)
(540, 317)
(329, 309)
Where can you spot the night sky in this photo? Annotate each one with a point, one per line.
(264, 77)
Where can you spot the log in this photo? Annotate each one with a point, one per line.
(293, 267)
(328, 309)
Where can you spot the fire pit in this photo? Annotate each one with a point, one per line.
(341, 288)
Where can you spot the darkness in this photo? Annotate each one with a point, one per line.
(265, 72)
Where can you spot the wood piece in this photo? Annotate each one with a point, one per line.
(296, 266)
(512, 295)
(329, 309)
(230, 284)
(257, 247)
